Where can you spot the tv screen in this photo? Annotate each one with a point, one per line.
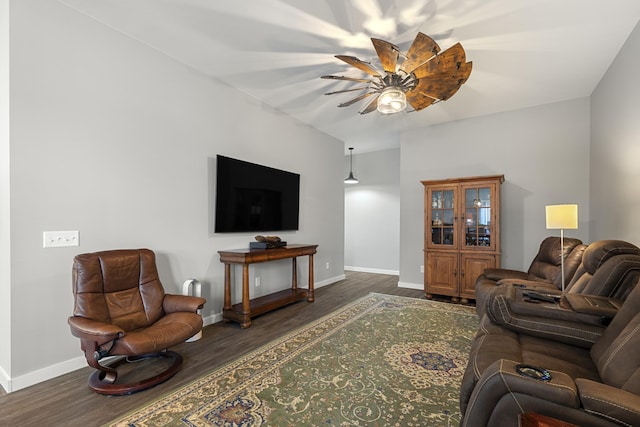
(255, 198)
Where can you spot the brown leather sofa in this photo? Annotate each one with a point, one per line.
(589, 345)
(597, 385)
(608, 274)
(545, 268)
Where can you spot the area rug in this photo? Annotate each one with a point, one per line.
(380, 361)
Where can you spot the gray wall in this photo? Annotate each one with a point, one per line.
(5, 244)
(615, 148)
(116, 140)
(372, 213)
(543, 153)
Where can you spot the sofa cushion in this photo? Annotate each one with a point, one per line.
(594, 257)
(546, 265)
(619, 364)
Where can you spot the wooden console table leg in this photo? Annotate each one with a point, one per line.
(246, 305)
(294, 277)
(227, 292)
(310, 293)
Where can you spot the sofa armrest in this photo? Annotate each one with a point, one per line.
(507, 306)
(594, 304)
(609, 402)
(501, 380)
(496, 274)
(182, 303)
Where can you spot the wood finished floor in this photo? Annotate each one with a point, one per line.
(67, 400)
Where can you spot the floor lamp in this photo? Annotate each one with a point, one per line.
(562, 217)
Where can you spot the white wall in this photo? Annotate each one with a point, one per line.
(5, 232)
(615, 148)
(372, 213)
(115, 140)
(543, 153)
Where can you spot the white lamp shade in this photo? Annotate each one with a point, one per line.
(562, 217)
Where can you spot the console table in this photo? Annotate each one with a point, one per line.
(242, 312)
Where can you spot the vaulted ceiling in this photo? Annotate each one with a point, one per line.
(524, 52)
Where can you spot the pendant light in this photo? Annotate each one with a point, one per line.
(351, 179)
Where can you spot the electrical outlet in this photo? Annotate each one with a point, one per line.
(257, 282)
(57, 239)
(422, 269)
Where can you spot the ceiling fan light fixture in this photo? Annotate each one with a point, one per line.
(392, 100)
(424, 76)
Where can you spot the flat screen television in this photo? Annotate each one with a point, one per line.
(255, 198)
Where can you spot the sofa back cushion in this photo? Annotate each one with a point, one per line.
(617, 353)
(615, 278)
(594, 257)
(546, 265)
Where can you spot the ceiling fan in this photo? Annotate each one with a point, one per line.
(424, 77)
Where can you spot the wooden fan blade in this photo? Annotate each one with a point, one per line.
(451, 59)
(388, 54)
(356, 99)
(420, 51)
(348, 90)
(371, 106)
(361, 65)
(417, 99)
(351, 79)
(443, 85)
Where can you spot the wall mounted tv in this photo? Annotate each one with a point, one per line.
(255, 198)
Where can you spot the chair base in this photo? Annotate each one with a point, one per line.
(108, 386)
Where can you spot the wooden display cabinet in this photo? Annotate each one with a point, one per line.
(462, 233)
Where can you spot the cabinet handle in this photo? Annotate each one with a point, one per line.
(462, 273)
(455, 272)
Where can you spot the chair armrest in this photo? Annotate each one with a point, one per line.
(496, 274)
(181, 303)
(609, 402)
(93, 330)
(500, 379)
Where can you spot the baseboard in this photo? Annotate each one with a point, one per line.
(417, 286)
(5, 381)
(210, 320)
(329, 281)
(46, 373)
(372, 270)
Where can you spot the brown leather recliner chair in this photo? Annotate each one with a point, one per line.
(121, 309)
(511, 373)
(545, 269)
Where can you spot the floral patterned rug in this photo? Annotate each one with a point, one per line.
(380, 361)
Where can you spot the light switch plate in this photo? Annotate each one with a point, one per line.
(57, 239)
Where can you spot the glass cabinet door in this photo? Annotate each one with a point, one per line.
(477, 217)
(442, 217)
